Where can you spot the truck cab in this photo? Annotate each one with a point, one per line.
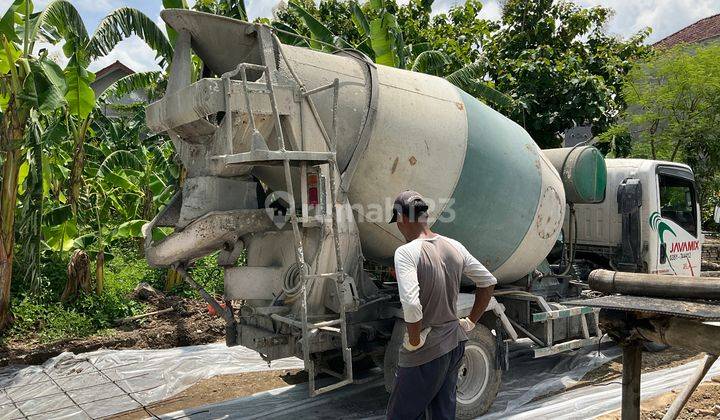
(649, 221)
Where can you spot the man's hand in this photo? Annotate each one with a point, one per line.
(466, 324)
(418, 343)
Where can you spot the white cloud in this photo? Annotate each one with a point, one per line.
(260, 8)
(663, 16)
(133, 53)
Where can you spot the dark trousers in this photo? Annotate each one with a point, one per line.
(428, 389)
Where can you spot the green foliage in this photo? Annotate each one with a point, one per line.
(554, 59)
(152, 83)
(230, 8)
(124, 22)
(207, 274)
(674, 113)
(321, 35)
(404, 36)
(41, 316)
(79, 95)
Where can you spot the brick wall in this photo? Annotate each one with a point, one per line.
(711, 252)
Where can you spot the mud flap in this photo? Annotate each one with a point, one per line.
(502, 358)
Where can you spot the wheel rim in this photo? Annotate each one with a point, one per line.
(474, 374)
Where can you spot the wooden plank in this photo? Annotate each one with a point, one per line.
(682, 399)
(685, 309)
(632, 361)
(566, 346)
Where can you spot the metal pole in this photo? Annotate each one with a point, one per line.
(228, 114)
(340, 281)
(276, 113)
(251, 118)
(655, 285)
(206, 297)
(632, 362)
(682, 398)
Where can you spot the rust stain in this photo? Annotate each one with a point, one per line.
(412, 160)
(460, 105)
(394, 167)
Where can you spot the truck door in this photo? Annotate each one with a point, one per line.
(674, 225)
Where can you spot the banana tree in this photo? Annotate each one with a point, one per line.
(133, 183)
(127, 177)
(29, 86)
(81, 49)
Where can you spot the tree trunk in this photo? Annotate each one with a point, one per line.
(78, 164)
(78, 274)
(100, 272)
(8, 201)
(76, 173)
(172, 279)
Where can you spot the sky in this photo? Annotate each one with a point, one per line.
(663, 16)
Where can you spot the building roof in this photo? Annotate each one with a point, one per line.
(699, 31)
(116, 66)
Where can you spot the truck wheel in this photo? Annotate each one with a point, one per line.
(478, 378)
(392, 355)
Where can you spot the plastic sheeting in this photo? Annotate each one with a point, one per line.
(526, 380)
(520, 397)
(105, 382)
(592, 401)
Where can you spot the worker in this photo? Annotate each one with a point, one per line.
(428, 269)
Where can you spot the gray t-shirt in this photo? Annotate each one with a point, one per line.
(428, 272)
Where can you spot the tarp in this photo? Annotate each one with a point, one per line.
(532, 389)
(526, 380)
(105, 382)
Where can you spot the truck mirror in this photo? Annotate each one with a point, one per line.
(716, 217)
(663, 253)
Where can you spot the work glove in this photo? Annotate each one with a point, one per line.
(423, 335)
(466, 324)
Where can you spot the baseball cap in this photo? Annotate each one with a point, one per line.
(409, 203)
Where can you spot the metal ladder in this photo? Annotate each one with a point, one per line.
(259, 154)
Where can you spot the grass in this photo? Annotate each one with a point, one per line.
(41, 317)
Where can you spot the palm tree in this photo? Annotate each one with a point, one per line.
(383, 40)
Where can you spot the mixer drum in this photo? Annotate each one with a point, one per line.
(488, 183)
(491, 186)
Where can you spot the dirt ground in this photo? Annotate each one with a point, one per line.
(227, 387)
(650, 362)
(704, 404)
(189, 323)
(220, 388)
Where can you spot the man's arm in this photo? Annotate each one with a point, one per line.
(482, 299)
(484, 282)
(413, 330)
(406, 274)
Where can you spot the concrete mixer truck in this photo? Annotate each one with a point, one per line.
(293, 157)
